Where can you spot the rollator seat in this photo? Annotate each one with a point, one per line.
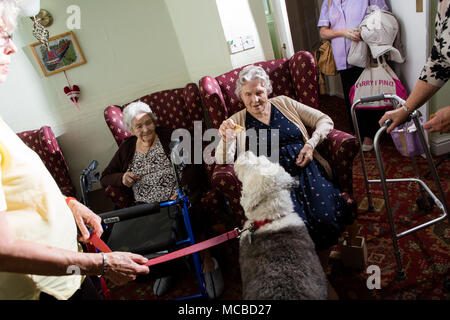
(146, 235)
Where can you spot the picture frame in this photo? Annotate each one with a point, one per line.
(64, 54)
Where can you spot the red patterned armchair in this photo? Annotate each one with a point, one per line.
(174, 108)
(44, 143)
(297, 78)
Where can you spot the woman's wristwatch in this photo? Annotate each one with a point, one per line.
(406, 108)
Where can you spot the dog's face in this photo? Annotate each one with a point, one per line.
(260, 179)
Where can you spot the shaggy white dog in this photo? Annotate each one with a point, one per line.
(277, 257)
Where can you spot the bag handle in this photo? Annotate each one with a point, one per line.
(329, 3)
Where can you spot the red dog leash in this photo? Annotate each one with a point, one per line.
(100, 245)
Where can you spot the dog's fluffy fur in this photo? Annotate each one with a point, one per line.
(280, 262)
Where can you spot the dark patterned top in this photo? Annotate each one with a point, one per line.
(158, 181)
(316, 200)
(437, 70)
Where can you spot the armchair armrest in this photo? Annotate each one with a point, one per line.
(224, 180)
(120, 198)
(340, 149)
(213, 100)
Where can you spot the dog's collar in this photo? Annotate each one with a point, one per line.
(256, 224)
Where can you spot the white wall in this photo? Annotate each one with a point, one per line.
(130, 51)
(415, 34)
(201, 37)
(238, 20)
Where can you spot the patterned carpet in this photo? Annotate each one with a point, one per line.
(425, 254)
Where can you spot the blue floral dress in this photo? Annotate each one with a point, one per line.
(316, 200)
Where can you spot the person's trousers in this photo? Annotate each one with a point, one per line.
(367, 119)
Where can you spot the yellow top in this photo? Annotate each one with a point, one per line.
(36, 210)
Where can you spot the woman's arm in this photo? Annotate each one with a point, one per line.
(315, 119)
(327, 33)
(422, 92)
(113, 173)
(28, 257)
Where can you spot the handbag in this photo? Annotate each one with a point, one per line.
(406, 139)
(325, 59)
(374, 80)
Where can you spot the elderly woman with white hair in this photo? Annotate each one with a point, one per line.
(316, 200)
(142, 168)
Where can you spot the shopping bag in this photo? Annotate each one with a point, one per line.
(375, 80)
(406, 139)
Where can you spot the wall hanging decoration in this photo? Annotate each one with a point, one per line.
(62, 53)
(73, 92)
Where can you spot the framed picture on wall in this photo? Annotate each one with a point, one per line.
(64, 53)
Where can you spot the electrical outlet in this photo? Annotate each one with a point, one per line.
(248, 42)
(235, 45)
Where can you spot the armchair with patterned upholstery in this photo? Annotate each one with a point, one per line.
(174, 108)
(296, 78)
(44, 143)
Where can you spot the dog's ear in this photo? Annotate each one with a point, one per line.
(253, 191)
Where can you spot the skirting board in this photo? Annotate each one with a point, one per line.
(440, 146)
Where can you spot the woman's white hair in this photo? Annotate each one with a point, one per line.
(9, 10)
(250, 73)
(133, 109)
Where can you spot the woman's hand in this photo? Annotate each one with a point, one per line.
(122, 267)
(440, 122)
(398, 116)
(129, 178)
(226, 130)
(305, 156)
(85, 219)
(352, 34)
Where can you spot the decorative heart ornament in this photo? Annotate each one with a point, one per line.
(73, 94)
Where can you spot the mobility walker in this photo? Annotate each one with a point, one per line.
(151, 229)
(422, 202)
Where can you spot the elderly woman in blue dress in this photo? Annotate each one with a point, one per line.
(316, 200)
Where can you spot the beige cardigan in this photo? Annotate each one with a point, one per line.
(297, 113)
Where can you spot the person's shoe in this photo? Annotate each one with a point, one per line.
(162, 286)
(214, 281)
(367, 147)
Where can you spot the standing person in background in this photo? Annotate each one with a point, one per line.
(39, 251)
(339, 22)
(435, 74)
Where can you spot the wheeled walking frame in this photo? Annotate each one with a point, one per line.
(156, 228)
(423, 202)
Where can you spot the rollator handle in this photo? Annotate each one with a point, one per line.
(130, 212)
(372, 98)
(387, 123)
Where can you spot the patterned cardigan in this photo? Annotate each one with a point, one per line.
(437, 70)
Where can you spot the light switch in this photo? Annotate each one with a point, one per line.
(236, 45)
(248, 42)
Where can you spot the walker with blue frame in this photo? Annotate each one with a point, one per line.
(181, 204)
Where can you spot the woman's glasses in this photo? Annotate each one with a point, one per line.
(4, 38)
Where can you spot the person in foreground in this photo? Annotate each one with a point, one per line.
(40, 256)
(316, 200)
(435, 74)
(142, 168)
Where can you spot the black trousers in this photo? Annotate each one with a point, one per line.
(367, 119)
